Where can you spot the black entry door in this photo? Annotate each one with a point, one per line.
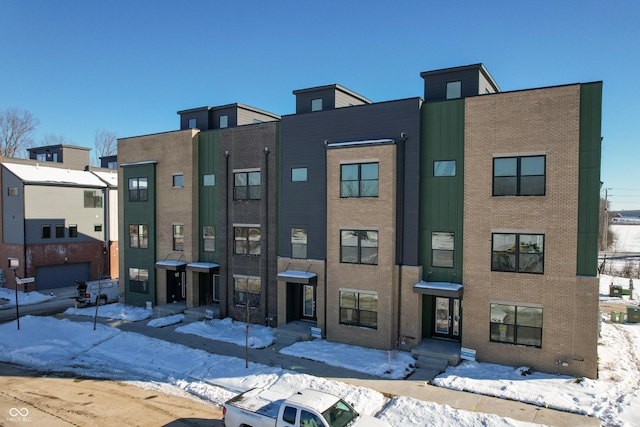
(446, 323)
(176, 286)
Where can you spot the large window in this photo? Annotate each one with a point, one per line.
(208, 238)
(139, 280)
(92, 199)
(246, 290)
(299, 243)
(516, 324)
(246, 185)
(138, 191)
(138, 236)
(247, 240)
(359, 180)
(178, 237)
(359, 308)
(359, 247)
(520, 253)
(519, 176)
(442, 244)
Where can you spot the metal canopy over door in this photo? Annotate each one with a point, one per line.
(447, 318)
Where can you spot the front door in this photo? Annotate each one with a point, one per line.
(176, 286)
(308, 302)
(447, 318)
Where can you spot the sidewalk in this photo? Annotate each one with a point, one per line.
(412, 387)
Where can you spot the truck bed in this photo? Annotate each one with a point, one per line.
(263, 402)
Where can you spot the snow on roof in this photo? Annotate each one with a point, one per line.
(109, 177)
(297, 274)
(37, 174)
(445, 286)
(170, 263)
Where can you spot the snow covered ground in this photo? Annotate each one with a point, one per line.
(51, 344)
(46, 343)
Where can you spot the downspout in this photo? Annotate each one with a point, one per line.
(266, 233)
(324, 330)
(107, 232)
(400, 219)
(226, 225)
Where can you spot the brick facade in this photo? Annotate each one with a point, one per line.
(533, 122)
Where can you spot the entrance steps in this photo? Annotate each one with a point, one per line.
(170, 309)
(436, 355)
(293, 332)
(197, 314)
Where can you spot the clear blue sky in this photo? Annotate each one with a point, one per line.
(128, 65)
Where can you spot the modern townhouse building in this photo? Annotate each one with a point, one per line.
(58, 217)
(197, 212)
(467, 216)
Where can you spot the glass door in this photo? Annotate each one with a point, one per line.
(447, 318)
(309, 302)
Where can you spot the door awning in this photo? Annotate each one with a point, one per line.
(202, 267)
(439, 289)
(170, 264)
(296, 276)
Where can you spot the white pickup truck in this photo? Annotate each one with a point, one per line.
(306, 408)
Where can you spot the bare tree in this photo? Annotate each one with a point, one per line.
(16, 127)
(106, 143)
(53, 139)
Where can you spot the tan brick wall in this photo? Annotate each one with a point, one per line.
(174, 152)
(411, 308)
(541, 121)
(365, 214)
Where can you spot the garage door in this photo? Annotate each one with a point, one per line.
(61, 276)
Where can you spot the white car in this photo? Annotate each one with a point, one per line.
(97, 292)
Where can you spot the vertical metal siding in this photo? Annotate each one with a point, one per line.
(589, 178)
(12, 209)
(442, 198)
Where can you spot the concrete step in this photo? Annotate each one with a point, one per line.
(433, 363)
(439, 350)
(169, 309)
(204, 312)
(286, 339)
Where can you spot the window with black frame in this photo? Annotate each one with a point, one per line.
(178, 237)
(516, 324)
(359, 180)
(247, 291)
(138, 190)
(138, 236)
(359, 247)
(519, 176)
(518, 253)
(359, 308)
(299, 243)
(208, 238)
(246, 185)
(247, 240)
(139, 280)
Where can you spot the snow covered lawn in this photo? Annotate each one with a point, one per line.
(230, 331)
(24, 298)
(113, 311)
(381, 363)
